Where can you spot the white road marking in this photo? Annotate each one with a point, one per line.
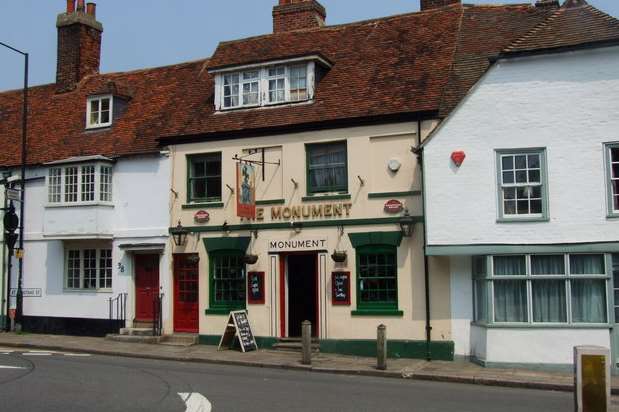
(195, 402)
(11, 367)
(77, 354)
(36, 354)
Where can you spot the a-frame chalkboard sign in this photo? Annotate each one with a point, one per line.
(238, 326)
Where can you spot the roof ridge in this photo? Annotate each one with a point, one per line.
(352, 23)
(535, 29)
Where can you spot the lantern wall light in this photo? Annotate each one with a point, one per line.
(179, 234)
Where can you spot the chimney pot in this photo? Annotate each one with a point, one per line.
(91, 9)
(70, 6)
(81, 8)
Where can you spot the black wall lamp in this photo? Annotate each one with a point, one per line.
(407, 224)
(296, 226)
(179, 233)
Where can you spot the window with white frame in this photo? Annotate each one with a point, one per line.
(88, 268)
(99, 111)
(522, 191)
(264, 85)
(541, 289)
(613, 179)
(80, 184)
(105, 183)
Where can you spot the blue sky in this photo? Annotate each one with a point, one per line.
(149, 33)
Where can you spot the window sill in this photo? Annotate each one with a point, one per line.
(377, 312)
(221, 311)
(78, 204)
(316, 198)
(270, 202)
(385, 195)
(98, 127)
(210, 205)
(523, 220)
(87, 291)
(612, 216)
(264, 105)
(542, 325)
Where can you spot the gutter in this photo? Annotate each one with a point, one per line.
(426, 274)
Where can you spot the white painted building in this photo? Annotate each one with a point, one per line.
(97, 189)
(528, 222)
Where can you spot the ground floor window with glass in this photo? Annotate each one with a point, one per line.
(88, 268)
(541, 289)
(377, 277)
(227, 280)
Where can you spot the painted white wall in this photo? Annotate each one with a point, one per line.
(461, 304)
(140, 214)
(567, 103)
(540, 346)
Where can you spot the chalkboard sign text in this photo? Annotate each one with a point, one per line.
(340, 288)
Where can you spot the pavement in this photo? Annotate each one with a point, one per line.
(54, 381)
(454, 372)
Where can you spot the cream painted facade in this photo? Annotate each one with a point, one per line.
(361, 210)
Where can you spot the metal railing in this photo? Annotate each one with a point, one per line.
(157, 315)
(118, 312)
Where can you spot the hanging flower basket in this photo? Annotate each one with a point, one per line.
(339, 256)
(250, 259)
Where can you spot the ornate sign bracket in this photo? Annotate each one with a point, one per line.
(261, 162)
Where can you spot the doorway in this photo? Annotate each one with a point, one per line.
(146, 286)
(302, 281)
(186, 276)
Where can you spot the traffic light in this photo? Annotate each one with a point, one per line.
(11, 223)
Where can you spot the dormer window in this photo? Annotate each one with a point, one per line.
(265, 85)
(99, 111)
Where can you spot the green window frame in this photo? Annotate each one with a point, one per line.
(522, 185)
(227, 289)
(567, 290)
(327, 162)
(377, 277)
(612, 176)
(204, 180)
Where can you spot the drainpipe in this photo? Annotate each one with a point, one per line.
(426, 275)
(2, 311)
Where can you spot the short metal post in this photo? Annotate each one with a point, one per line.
(381, 347)
(306, 333)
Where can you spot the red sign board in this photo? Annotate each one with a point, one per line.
(245, 190)
(201, 216)
(393, 206)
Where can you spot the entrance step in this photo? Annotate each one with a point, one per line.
(295, 345)
(142, 324)
(134, 338)
(137, 331)
(179, 339)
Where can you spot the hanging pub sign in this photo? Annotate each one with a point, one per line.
(245, 190)
(255, 288)
(340, 288)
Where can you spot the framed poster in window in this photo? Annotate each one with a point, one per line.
(340, 288)
(255, 288)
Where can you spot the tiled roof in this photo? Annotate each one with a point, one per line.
(392, 68)
(575, 24)
(56, 121)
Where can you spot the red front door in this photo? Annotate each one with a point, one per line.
(146, 285)
(186, 293)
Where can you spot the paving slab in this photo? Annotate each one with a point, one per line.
(457, 371)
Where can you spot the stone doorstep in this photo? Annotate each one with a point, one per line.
(179, 340)
(134, 338)
(136, 331)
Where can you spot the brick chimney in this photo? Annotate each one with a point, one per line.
(79, 44)
(435, 4)
(292, 15)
